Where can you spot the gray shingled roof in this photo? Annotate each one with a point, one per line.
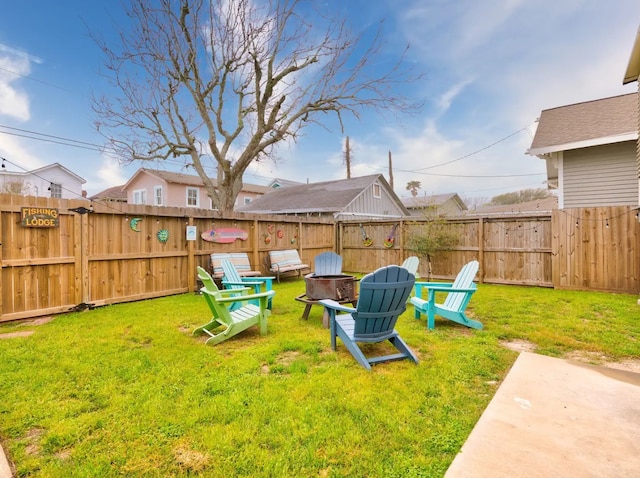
(606, 119)
(194, 180)
(433, 200)
(324, 197)
(114, 193)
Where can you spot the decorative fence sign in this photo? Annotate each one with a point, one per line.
(39, 216)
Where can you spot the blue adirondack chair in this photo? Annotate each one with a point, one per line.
(455, 304)
(225, 323)
(383, 298)
(327, 264)
(233, 280)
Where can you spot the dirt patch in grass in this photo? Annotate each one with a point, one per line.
(12, 335)
(593, 358)
(519, 345)
(597, 358)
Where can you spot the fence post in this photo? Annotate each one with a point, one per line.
(481, 248)
(191, 260)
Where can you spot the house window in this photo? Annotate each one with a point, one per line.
(377, 191)
(157, 196)
(193, 197)
(56, 190)
(247, 201)
(140, 196)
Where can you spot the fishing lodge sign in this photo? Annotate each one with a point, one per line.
(39, 216)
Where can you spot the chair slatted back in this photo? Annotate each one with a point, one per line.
(411, 264)
(328, 264)
(464, 280)
(383, 298)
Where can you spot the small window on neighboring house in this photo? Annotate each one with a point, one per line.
(56, 190)
(247, 201)
(140, 196)
(193, 197)
(157, 196)
(377, 191)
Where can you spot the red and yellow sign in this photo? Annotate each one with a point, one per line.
(39, 217)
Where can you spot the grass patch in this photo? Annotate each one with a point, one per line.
(125, 390)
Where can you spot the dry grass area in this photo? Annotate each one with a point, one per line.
(593, 358)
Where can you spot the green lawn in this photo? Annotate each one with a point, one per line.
(125, 390)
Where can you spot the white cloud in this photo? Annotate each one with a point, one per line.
(13, 102)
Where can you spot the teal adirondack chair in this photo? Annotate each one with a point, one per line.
(226, 323)
(383, 298)
(233, 280)
(455, 304)
(327, 264)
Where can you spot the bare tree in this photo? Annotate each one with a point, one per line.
(223, 82)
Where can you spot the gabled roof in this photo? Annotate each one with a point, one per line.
(592, 123)
(325, 197)
(282, 183)
(58, 166)
(537, 205)
(189, 180)
(115, 193)
(435, 200)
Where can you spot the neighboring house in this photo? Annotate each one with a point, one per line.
(538, 205)
(112, 194)
(164, 188)
(438, 204)
(354, 198)
(590, 151)
(632, 74)
(282, 183)
(53, 181)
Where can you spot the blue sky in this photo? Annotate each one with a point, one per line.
(489, 68)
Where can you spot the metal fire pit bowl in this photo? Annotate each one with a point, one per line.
(339, 287)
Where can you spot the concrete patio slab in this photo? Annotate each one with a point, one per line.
(554, 418)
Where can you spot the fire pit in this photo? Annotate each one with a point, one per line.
(338, 287)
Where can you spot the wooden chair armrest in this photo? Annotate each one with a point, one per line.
(332, 304)
(244, 298)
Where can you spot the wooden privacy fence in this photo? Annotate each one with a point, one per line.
(96, 255)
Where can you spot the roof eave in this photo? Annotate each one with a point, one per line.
(633, 68)
(544, 150)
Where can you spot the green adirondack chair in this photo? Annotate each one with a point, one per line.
(382, 299)
(226, 323)
(233, 280)
(455, 304)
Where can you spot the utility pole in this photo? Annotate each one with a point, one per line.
(390, 171)
(347, 158)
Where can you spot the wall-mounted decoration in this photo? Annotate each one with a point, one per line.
(192, 233)
(270, 228)
(133, 223)
(266, 239)
(224, 235)
(39, 216)
(366, 240)
(280, 233)
(391, 238)
(163, 235)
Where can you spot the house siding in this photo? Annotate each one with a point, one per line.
(368, 205)
(600, 176)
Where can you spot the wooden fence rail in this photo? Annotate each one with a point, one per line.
(96, 255)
